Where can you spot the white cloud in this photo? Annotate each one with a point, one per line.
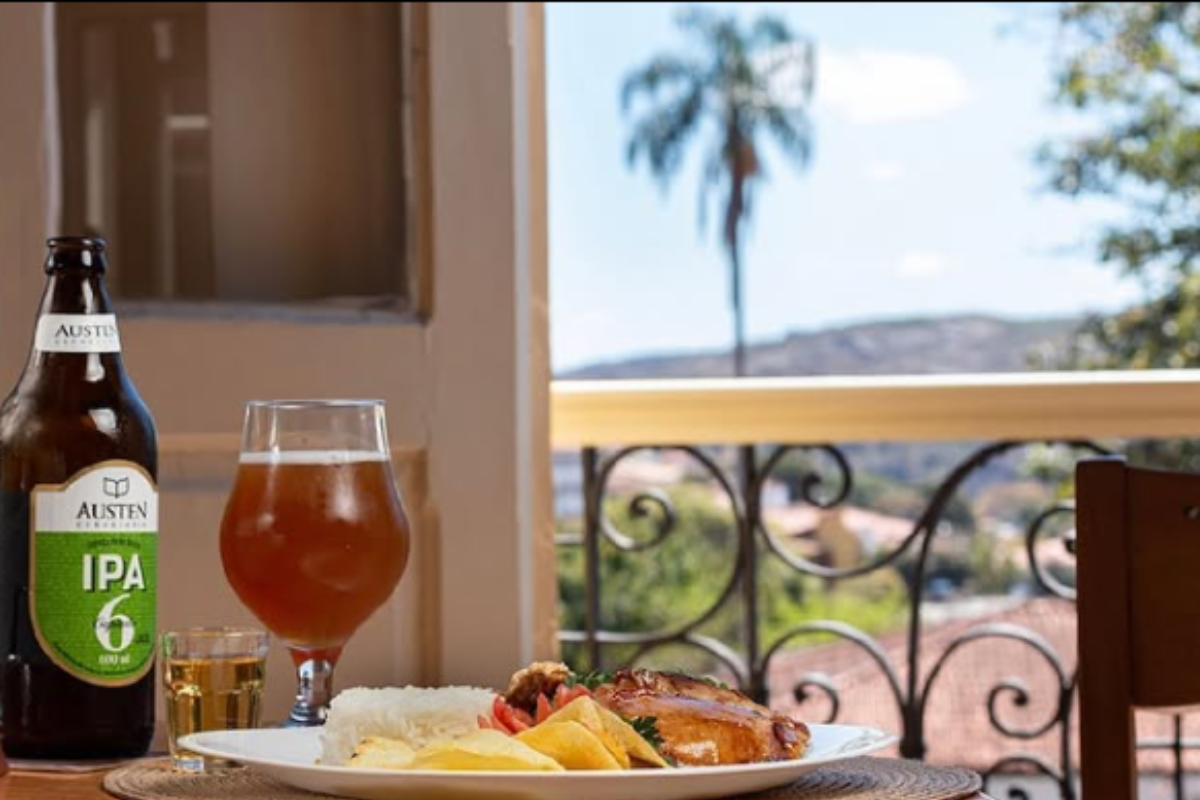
(922, 264)
(878, 87)
(884, 171)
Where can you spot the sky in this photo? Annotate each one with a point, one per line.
(922, 198)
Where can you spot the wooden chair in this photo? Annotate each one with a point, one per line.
(1138, 548)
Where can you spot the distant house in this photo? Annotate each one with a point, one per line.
(874, 531)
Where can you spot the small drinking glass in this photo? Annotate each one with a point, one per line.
(214, 681)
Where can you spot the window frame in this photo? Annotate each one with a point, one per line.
(412, 302)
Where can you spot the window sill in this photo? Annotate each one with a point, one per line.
(382, 310)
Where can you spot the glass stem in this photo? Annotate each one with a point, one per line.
(313, 694)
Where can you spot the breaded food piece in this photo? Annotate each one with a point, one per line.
(539, 678)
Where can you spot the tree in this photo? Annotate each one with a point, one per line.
(741, 84)
(1135, 68)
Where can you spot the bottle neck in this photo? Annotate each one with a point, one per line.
(75, 291)
(76, 332)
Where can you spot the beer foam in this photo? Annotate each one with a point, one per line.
(312, 458)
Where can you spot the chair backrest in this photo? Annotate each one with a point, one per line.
(1138, 548)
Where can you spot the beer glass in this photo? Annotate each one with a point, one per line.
(214, 681)
(314, 537)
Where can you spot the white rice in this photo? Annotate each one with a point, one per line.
(415, 715)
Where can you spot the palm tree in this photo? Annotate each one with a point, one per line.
(738, 84)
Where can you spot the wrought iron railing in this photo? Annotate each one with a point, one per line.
(912, 675)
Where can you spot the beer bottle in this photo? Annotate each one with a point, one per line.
(78, 531)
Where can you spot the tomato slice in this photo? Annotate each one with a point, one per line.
(522, 717)
(506, 717)
(544, 709)
(576, 692)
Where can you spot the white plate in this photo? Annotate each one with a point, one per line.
(290, 754)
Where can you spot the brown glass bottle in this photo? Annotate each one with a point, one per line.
(78, 531)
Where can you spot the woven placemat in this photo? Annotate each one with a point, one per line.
(879, 779)
(855, 779)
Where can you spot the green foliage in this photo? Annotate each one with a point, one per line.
(660, 586)
(888, 496)
(875, 603)
(734, 76)
(1134, 69)
(978, 564)
(993, 570)
(591, 680)
(676, 581)
(647, 728)
(1015, 501)
(1162, 333)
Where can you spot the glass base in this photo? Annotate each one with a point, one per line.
(300, 718)
(186, 761)
(313, 694)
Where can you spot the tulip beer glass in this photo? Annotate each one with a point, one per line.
(314, 537)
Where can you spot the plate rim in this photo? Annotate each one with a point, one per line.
(875, 739)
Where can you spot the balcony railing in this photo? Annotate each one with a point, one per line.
(736, 434)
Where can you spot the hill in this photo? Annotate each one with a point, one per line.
(965, 343)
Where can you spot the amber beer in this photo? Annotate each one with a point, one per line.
(313, 543)
(78, 531)
(214, 681)
(210, 694)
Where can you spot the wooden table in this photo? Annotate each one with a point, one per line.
(45, 786)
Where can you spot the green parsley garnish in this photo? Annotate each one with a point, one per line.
(591, 681)
(647, 728)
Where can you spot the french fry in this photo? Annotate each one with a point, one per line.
(586, 712)
(571, 744)
(378, 752)
(636, 746)
(581, 735)
(483, 750)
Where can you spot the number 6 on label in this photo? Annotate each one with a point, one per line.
(105, 622)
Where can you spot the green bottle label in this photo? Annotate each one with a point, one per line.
(94, 572)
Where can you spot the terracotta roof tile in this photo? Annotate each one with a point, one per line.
(957, 726)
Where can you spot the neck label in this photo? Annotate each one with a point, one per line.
(77, 333)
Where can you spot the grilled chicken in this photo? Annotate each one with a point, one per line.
(701, 724)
